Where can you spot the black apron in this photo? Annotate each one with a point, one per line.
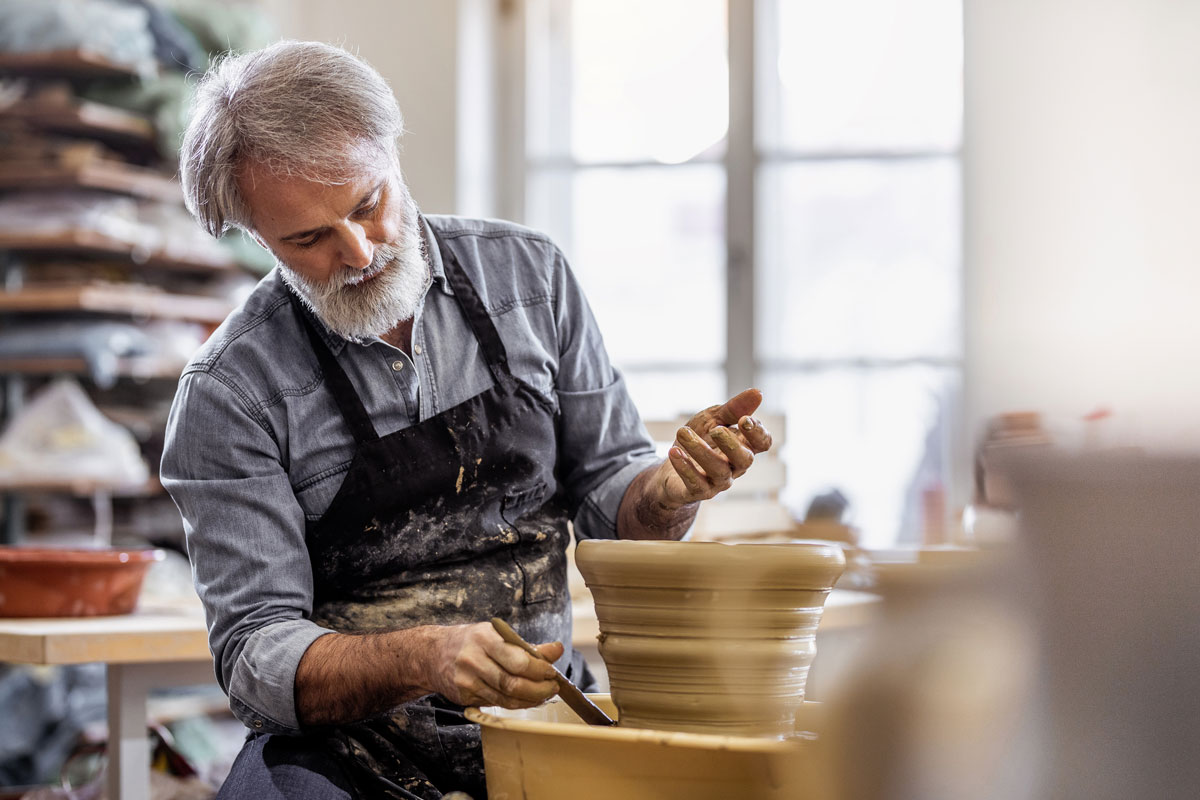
(452, 520)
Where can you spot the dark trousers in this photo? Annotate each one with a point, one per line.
(276, 767)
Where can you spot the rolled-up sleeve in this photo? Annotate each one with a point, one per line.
(245, 539)
(603, 443)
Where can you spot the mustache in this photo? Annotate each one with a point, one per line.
(385, 254)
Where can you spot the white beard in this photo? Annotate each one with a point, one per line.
(356, 308)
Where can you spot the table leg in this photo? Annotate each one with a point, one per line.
(128, 742)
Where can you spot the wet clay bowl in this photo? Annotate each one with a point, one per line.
(69, 582)
(707, 637)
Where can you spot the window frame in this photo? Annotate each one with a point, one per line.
(751, 49)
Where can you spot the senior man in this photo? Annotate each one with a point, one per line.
(382, 447)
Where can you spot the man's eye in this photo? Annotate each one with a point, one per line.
(309, 242)
(367, 210)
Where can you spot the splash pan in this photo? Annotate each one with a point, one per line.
(548, 753)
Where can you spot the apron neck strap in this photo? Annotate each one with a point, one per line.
(477, 316)
(344, 395)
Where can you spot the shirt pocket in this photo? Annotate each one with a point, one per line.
(316, 492)
(527, 333)
(540, 551)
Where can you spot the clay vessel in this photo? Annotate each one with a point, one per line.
(707, 637)
(71, 582)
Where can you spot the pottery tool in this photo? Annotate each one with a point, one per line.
(578, 702)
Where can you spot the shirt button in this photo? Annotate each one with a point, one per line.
(258, 723)
(417, 349)
(397, 365)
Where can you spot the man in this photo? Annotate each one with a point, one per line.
(381, 448)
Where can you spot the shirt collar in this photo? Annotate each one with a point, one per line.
(436, 265)
(437, 269)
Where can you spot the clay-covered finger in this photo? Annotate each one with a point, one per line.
(513, 689)
(514, 660)
(756, 435)
(486, 695)
(524, 692)
(695, 483)
(734, 448)
(475, 691)
(715, 466)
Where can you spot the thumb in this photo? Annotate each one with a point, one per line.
(551, 651)
(743, 403)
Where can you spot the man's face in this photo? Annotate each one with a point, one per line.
(352, 250)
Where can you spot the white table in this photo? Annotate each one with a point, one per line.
(149, 649)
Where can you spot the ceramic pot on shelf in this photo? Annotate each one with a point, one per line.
(709, 637)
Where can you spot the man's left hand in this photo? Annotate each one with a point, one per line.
(716, 447)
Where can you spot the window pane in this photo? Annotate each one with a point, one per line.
(878, 436)
(864, 74)
(859, 259)
(644, 81)
(648, 246)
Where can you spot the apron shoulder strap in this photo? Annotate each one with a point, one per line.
(344, 395)
(480, 321)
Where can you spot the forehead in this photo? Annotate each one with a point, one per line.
(280, 204)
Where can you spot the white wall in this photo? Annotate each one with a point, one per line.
(415, 45)
(1082, 201)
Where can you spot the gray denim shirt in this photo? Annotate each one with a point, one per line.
(256, 447)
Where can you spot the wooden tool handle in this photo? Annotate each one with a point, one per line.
(512, 637)
(588, 711)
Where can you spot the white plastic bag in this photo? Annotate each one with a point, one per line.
(60, 436)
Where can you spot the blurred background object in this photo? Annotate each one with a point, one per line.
(1111, 547)
(932, 699)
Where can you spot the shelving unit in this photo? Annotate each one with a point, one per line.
(84, 118)
(62, 141)
(108, 176)
(70, 64)
(136, 368)
(126, 300)
(86, 243)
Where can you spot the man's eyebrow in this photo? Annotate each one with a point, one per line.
(366, 198)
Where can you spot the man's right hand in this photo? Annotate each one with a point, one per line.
(474, 666)
(345, 678)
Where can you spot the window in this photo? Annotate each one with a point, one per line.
(800, 233)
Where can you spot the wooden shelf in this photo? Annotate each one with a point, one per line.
(84, 118)
(133, 367)
(81, 488)
(63, 64)
(111, 176)
(132, 300)
(91, 243)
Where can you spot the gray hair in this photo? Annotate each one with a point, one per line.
(299, 109)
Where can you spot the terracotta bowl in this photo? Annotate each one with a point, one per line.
(68, 582)
(707, 637)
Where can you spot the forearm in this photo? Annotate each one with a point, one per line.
(345, 678)
(647, 513)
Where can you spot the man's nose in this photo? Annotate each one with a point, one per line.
(357, 250)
